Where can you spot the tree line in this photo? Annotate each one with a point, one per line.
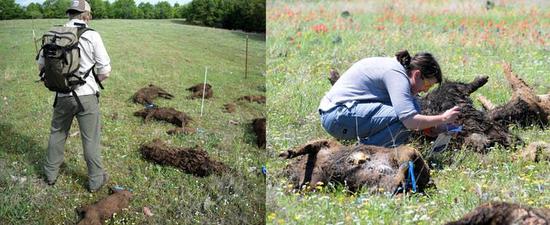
(247, 15)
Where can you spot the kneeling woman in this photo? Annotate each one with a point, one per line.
(375, 101)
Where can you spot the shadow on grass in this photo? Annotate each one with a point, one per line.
(25, 147)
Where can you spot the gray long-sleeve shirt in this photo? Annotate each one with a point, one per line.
(377, 79)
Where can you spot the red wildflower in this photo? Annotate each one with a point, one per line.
(320, 28)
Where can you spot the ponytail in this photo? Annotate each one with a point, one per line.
(404, 58)
(425, 62)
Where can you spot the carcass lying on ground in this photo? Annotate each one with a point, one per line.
(503, 213)
(147, 94)
(260, 99)
(524, 107)
(170, 115)
(198, 90)
(104, 209)
(361, 166)
(258, 126)
(537, 151)
(230, 107)
(191, 160)
(480, 131)
(333, 76)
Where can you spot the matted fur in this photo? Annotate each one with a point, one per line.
(258, 126)
(260, 99)
(230, 107)
(361, 166)
(191, 160)
(198, 89)
(104, 209)
(536, 151)
(148, 94)
(170, 115)
(333, 76)
(480, 131)
(503, 213)
(525, 107)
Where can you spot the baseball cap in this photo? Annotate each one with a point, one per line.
(79, 6)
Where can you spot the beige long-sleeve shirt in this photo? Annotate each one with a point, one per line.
(92, 52)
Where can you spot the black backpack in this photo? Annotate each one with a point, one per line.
(62, 61)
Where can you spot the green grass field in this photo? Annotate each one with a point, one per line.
(171, 55)
(306, 39)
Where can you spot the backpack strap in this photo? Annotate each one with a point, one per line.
(55, 100)
(81, 31)
(80, 107)
(92, 71)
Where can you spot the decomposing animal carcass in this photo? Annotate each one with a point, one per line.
(97, 213)
(480, 131)
(357, 167)
(260, 99)
(536, 152)
(191, 160)
(147, 94)
(258, 126)
(524, 107)
(230, 107)
(333, 76)
(170, 115)
(198, 90)
(504, 213)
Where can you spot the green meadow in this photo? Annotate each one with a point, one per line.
(166, 53)
(307, 39)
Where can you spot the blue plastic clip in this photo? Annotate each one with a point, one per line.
(149, 106)
(411, 176)
(120, 188)
(452, 128)
(264, 170)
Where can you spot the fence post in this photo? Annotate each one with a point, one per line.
(246, 59)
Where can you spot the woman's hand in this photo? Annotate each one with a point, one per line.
(451, 115)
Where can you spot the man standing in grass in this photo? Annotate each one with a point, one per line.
(85, 107)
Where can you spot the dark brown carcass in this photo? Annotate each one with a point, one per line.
(480, 131)
(170, 115)
(104, 209)
(525, 107)
(146, 95)
(503, 213)
(198, 90)
(260, 99)
(191, 160)
(258, 126)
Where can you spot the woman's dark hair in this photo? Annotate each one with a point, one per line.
(425, 62)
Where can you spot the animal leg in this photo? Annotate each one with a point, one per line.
(486, 103)
(165, 94)
(477, 83)
(148, 117)
(311, 147)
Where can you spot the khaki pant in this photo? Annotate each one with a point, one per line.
(65, 110)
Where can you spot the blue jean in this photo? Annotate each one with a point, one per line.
(372, 123)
